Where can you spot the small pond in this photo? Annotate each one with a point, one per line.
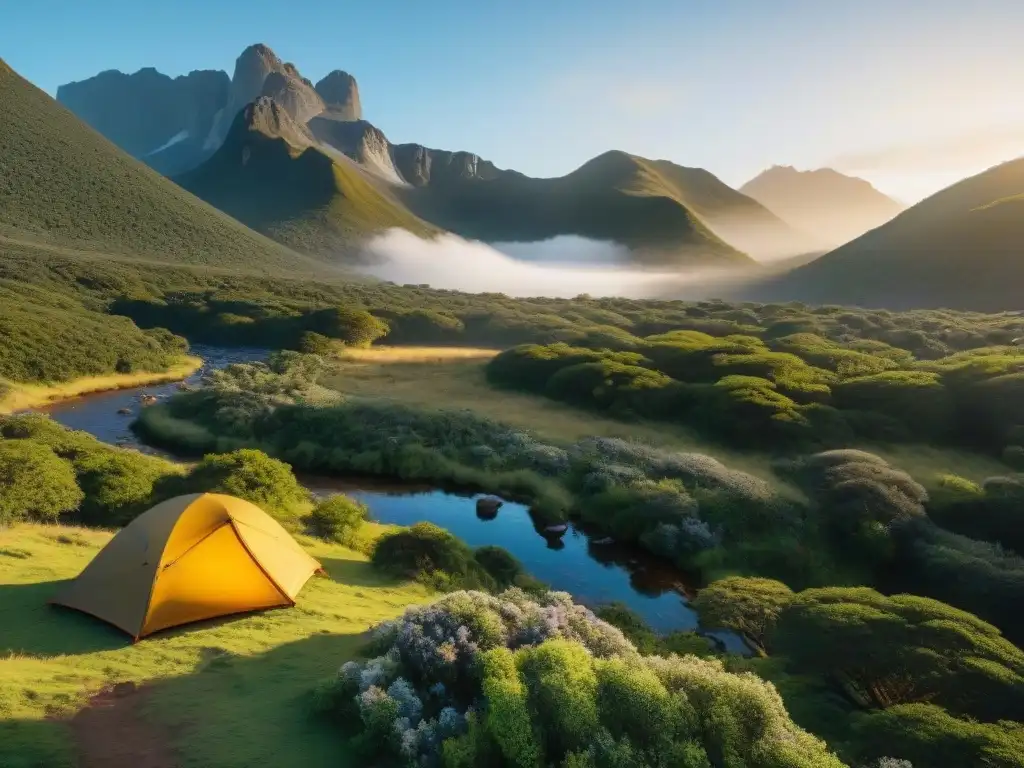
(587, 567)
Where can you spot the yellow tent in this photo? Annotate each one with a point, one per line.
(187, 559)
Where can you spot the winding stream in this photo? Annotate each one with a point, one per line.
(575, 562)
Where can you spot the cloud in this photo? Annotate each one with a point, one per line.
(968, 150)
(561, 267)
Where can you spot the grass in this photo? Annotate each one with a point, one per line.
(228, 692)
(454, 378)
(61, 182)
(21, 396)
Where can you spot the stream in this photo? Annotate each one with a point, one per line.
(590, 568)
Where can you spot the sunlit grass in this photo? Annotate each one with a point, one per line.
(20, 396)
(230, 692)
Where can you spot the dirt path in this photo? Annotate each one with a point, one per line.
(111, 733)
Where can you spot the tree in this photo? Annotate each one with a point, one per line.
(35, 483)
(748, 606)
(903, 649)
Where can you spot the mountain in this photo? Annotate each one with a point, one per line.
(664, 213)
(340, 94)
(962, 248)
(831, 207)
(148, 113)
(63, 184)
(271, 174)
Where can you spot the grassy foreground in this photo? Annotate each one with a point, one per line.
(453, 378)
(20, 396)
(227, 692)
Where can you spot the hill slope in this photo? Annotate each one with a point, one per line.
(962, 248)
(61, 182)
(828, 205)
(615, 197)
(269, 174)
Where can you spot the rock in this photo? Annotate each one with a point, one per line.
(557, 529)
(268, 118)
(148, 399)
(487, 507)
(340, 94)
(124, 411)
(293, 93)
(603, 541)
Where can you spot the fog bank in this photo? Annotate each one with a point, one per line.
(562, 267)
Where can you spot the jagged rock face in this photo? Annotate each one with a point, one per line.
(340, 93)
(421, 166)
(143, 111)
(251, 70)
(294, 94)
(265, 116)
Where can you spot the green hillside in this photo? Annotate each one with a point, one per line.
(268, 176)
(615, 196)
(61, 182)
(962, 248)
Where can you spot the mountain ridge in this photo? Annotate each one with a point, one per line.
(830, 206)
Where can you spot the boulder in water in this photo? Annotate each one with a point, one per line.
(487, 507)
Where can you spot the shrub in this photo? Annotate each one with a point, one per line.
(355, 327)
(548, 684)
(254, 476)
(35, 484)
(311, 343)
(337, 518)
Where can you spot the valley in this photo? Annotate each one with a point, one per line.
(626, 466)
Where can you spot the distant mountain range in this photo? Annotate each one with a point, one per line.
(663, 213)
(830, 207)
(962, 248)
(298, 163)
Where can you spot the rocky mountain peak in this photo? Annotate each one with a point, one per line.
(295, 95)
(265, 116)
(340, 93)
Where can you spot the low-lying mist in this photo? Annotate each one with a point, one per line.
(562, 267)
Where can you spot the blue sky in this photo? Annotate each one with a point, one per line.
(911, 94)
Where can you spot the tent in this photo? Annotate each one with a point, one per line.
(187, 559)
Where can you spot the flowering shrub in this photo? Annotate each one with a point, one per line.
(515, 680)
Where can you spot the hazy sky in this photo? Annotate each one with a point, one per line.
(911, 94)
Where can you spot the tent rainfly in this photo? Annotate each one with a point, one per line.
(187, 559)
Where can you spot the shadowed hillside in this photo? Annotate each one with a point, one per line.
(962, 248)
(62, 183)
(269, 175)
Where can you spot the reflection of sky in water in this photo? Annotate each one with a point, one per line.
(571, 568)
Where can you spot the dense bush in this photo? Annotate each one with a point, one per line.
(337, 518)
(35, 483)
(253, 476)
(431, 554)
(798, 389)
(647, 641)
(902, 649)
(929, 736)
(514, 681)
